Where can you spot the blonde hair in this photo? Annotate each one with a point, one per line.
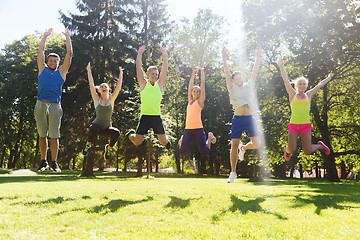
(296, 80)
(152, 67)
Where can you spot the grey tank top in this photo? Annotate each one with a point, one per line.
(103, 115)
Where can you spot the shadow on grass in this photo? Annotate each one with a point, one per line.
(176, 202)
(57, 200)
(324, 194)
(246, 206)
(114, 205)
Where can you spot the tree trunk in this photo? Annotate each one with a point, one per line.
(343, 170)
(280, 170)
(139, 166)
(88, 167)
(177, 161)
(157, 152)
(301, 171)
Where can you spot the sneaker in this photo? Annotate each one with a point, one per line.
(54, 166)
(85, 151)
(325, 148)
(232, 177)
(106, 152)
(241, 152)
(213, 138)
(287, 155)
(43, 166)
(168, 145)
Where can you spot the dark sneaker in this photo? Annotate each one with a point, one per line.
(131, 131)
(85, 151)
(54, 166)
(168, 145)
(106, 152)
(43, 166)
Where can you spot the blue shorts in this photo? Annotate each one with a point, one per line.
(243, 123)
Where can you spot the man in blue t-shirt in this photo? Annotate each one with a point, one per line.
(48, 111)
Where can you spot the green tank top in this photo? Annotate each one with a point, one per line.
(151, 99)
(300, 110)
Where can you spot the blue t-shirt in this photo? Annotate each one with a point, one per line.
(50, 85)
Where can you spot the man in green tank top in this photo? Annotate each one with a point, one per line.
(151, 91)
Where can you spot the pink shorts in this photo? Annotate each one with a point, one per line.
(299, 128)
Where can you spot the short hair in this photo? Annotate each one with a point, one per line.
(53, 55)
(235, 73)
(152, 67)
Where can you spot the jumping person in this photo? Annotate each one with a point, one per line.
(104, 105)
(300, 123)
(240, 97)
(48, 111)
(151, 91)
(193, 126)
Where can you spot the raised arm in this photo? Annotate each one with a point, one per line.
(226, 67)
(164, 68)
(118, 87)
(256, 67)
(41, 54)
(290, 90)
(202, 88)
(314, 90)
(191, 83)
(94, 95)
(69, 52)
(139, 70)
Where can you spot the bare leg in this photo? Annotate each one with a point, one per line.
(162, 139)
(43, 145)
(307, 146)
(292, 142)
(136, 139)
(54, 148)
(254, 143)
(234, 153)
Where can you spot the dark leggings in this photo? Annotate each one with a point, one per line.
(200, 138)
(111, 132)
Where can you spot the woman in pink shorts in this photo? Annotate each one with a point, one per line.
(300, 114)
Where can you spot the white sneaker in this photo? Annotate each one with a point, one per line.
(241, 152)
(232, 177)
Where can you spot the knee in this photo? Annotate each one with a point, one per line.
(307, 151)
(256, 143)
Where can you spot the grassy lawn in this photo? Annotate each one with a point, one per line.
(117, 206)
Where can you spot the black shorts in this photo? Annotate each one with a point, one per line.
(148, 121)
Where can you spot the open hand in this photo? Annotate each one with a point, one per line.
(67, 32)
(48, 32)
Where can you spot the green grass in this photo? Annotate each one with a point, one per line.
(170, 206)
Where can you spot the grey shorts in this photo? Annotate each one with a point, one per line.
(48, 118)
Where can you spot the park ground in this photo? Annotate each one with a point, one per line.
(170, 206)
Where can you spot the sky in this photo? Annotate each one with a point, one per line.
(21, 17)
